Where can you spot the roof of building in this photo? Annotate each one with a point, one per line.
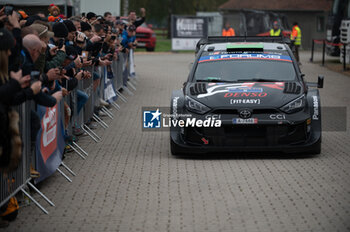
(282, 5)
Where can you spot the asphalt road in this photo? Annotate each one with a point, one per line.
(130, 181)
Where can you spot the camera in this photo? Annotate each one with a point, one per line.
(113, 30)
(111, 57)
(105, 28)
(95, 60)
(8, 10)
(34, 76)
(61, 69)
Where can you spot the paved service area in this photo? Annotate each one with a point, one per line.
(130, 181)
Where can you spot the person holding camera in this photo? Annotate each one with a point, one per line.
(60, 33)
(72, 30)
(12, 87)
(29, 54)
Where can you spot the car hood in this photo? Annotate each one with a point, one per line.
(247, 94)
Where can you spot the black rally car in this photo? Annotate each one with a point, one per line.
(254, 88)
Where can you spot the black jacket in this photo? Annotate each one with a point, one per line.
(27, 93)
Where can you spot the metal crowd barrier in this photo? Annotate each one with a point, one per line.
(20, 179)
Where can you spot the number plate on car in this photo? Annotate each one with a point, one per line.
(244, 120)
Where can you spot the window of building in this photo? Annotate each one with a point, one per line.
(320, 23)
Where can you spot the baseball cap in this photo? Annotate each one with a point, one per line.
(131, 28)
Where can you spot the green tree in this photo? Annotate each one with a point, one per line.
(159, 11)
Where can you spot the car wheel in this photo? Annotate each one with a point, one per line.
(174, 149)
(316, 150)
(150, 49)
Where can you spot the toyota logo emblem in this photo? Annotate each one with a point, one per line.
(245, 113)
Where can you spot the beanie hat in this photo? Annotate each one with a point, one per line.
(90, 15)
(85, 26)
(53, 7)
(60, 30)
(6, 40)
(70, 25)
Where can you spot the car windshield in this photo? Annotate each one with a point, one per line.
(236, 68)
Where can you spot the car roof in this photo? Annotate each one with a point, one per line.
(266, 46)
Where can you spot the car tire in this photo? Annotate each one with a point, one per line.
(316, 150)
(174, 148)
(150, 49)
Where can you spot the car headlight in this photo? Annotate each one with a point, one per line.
(195, 106)
(295, 105)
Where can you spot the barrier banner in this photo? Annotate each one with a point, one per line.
(131, 63)
(49, 141)
(109, 90)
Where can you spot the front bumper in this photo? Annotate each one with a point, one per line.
(146, 42)
(267, 136)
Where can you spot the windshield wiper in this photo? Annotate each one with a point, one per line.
(213, 80)
(260, 80)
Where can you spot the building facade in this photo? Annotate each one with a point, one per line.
(311, 15)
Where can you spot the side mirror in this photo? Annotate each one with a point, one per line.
(302, 75)
(320, 82)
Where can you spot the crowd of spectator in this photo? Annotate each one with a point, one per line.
(44, 57)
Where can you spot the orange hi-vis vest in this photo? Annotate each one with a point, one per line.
(296, 35)
(229, 32)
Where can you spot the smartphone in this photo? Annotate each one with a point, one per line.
(8, 10)
(85, 54)
(60, 43)
(34, 76)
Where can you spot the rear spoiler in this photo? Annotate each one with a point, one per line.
(227, 39)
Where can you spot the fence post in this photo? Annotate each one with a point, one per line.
(312, 51)
(323, 51)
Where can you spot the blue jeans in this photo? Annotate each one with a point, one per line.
(82, 98)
